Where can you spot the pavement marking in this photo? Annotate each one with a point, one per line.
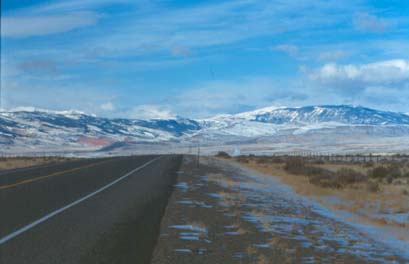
(56, 212)
(8, 186)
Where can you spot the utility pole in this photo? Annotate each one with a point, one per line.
(198, 154)
(1, 80)
(1, 67)
(1, 97)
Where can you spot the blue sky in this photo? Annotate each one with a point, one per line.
(145, 59)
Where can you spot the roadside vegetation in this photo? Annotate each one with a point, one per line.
(222, 154)
(370, 187)
(337, 175)
(341, 178)
(7, 163)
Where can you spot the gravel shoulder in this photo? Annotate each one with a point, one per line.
(222, 213)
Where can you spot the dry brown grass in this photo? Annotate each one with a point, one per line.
(262, 259)
(23, 162)
(242, 231)
(251, 251)
(356, 197)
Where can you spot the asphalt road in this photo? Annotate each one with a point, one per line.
(85, 211)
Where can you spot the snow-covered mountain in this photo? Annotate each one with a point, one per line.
(41, 129)
(32, 128)
(327, 113)
(271, 121)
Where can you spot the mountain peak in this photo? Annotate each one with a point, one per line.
(250, 114)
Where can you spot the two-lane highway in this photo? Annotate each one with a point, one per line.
(85, 211)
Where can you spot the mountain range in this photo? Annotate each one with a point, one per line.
(30, 129)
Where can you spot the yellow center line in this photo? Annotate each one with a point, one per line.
(51, 175)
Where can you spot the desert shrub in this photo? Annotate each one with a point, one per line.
(317, 176)
(340, 179)
(395, 171)
(277, 159)
(327, 180)
(346, 176)
(397, 182)
(263, 160)
(295, 166)
(392, 171)
(389, 179)
(242, 159)
(379, 172)
(372, 186)
(223, 154)
(315, 171)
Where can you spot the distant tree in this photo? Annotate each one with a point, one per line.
(223, 154)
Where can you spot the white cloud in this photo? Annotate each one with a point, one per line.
(382, 72)
(75, 5)
(332, 55)
(20, 93)
(291, 50)
(109, 106)
(367, 22)
(145, 38)
(209, 98)
(37, 25)
(152, 112)
(382, 84)
(220, 23)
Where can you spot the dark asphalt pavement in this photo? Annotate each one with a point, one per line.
(117, 224)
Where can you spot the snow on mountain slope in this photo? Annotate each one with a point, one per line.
(34, 128)
(351, 115)
(251, 114)
(270, 120)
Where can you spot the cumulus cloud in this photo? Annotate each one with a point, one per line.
(38, 25)
(367, 22)
(382, 72)
(152, 112)
(382, 84)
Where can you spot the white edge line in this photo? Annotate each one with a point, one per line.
(62, 209)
